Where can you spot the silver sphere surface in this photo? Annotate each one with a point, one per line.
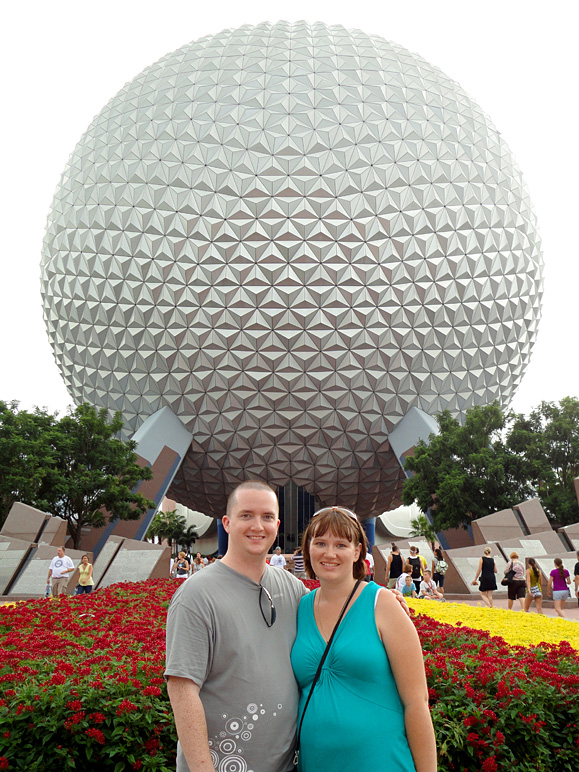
(291, 234)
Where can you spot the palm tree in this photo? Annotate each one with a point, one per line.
(167, 525)
(421, 526)
(188, 536)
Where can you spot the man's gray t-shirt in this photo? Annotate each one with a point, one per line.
(218, 638)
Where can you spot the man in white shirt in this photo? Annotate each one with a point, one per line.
(277, 560)
(58, 571)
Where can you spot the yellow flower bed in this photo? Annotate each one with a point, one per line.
(516, 627)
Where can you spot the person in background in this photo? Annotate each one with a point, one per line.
(408, 589)
(401, 581)
(369, 560)
(516, 589)
(394, 567)
(58, 571)
(428, 589)
(487, 569)
(533, 586)
(418, 564)
(576, 578)
(299, 568)
(180, 569)
(277, 560)
(355, 700)
(198, 563)
(559, 581)
(439, 569)
(85, 580)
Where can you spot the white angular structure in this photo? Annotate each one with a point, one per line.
(290, 235)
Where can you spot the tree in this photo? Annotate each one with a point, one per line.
(549, 440)
(167, 525)
(421, 526)
(25, 454)
(188, 537)
(467, 471)
(79, 470)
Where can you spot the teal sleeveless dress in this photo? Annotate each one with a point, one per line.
(355, 719)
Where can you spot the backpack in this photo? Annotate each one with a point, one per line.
(441, 567)
(415, 563)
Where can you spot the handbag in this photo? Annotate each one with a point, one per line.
(509, 576)
(319, 670)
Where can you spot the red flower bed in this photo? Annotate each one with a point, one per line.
(81, 687)
(81, 682)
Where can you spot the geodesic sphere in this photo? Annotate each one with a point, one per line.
(291, 234)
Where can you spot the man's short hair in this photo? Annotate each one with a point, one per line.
(252, 485)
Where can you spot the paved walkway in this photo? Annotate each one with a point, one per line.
(571, 610)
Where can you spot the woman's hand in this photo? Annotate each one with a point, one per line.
(400, 598)
(475, 581)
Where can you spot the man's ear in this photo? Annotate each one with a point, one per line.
(225, 523)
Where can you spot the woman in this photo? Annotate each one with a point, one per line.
(85, 580)
(180, 568)
(516, 588)
(439, 569)
(559, 581)
(371, 697)
(198, 563)
(487, 568)
(534, 586)
(394, 567)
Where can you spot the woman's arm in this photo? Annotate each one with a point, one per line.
(479, 569)
(529, 580)
(550, 585)
(403, 648)
(567, 578)
(89, 570)
(495, 566)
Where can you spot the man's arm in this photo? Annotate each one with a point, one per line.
(190, 722)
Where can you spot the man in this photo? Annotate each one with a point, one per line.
(230, 630)
(576, 573)
(277, 560)
(58, 571)
(418, 563)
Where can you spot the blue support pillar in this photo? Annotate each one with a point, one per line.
(222, 538)
(369, 527)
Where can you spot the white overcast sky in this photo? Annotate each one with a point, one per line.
(62, 61)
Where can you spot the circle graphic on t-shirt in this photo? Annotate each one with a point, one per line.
(234, 725)
(227, 746)
(233, 764)
(245, 736)
(252, 707)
